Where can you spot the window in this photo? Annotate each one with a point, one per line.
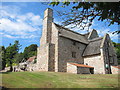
(74, 54)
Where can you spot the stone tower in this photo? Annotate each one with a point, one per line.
(45, 53)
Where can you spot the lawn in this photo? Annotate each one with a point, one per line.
(58, 80)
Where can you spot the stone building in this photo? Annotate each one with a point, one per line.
(63, 50)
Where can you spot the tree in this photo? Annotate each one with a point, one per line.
(82, 14)
(30, 51)
(117, 49)
(18, 57)
(2, 59)
(11, 51)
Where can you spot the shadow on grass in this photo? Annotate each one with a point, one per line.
(5, 72)
(4, 88)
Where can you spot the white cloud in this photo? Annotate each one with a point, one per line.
(36, 20)
(9, 36)
(16, 25)
(103, 31)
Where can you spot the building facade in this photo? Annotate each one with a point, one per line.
(63, 50)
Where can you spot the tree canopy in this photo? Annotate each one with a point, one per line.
(83, 13)
(11, 52)
(30, 51)
(117, 49)
(11, 55)
(3, 58)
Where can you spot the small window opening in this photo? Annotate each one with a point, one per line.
(74, 54)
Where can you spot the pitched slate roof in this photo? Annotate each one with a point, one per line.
(93, 47)
(86, 34)
(65, 32)
(81, 65)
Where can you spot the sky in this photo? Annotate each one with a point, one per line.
(23, 21)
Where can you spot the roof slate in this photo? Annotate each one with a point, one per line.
(93, 47)
(65, 32)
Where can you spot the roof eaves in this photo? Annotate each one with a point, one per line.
(81, 65)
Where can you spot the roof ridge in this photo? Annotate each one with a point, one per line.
(95, 39)
(69, 29)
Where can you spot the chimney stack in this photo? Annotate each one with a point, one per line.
(47, 26)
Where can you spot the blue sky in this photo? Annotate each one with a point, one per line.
(23, 21)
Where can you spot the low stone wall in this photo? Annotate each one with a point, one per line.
(77, 70)
(115, 70)
(32, 67)
(71, 68)
(83, 70)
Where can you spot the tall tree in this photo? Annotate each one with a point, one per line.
(117, 49)
(11, 51)
(82, 14)
(2, 59)
(18, 58)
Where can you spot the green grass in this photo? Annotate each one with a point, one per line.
(58, 80)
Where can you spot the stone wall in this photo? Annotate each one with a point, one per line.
(108, 54)
(77, 70)
(51, 60)
(32, 67)
(96, 62)
(47, 27)
(65, 49)
(115, 70)
(46, 57)
(54, 40)
(46, 51)
(42, 57)
(83, 70)
(71, 68)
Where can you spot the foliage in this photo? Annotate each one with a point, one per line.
(82, 14)
(11, 52)
(30, 51)
(2, 59)
(117, 49)
(18, 57)
(35, 61)
(10, 55)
